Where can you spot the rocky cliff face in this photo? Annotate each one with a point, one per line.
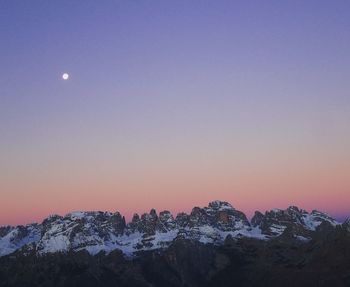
(294, 220)
(105, 231)
(14, 238)
(346, 224)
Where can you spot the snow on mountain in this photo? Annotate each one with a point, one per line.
(13, 238)
(315, 218)
(106, 231)
(294, 220)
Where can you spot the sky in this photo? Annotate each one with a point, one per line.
(173, 104)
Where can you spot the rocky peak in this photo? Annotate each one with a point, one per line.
(166, 221)
(218, 214)
(220, 205)
(165, 216)
(182, 219)
(257, 219)
(117, 221)
(153, 214)
(146, 224)
(135, 218)
(296, 214)
(275, 221)
(322, 216)
(295, 220)
(52, 218)
(198, 217)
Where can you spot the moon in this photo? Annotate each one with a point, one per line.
(65, 76)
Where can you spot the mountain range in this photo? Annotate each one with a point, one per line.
(105, 231)
(212, 246)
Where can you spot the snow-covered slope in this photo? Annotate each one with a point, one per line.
(105, 231)
(13, 238)
(294, 220)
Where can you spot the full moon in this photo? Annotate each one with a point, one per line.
(65, 76)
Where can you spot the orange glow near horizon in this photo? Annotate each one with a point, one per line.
(247, 190)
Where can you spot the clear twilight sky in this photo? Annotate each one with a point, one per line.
(172, 104)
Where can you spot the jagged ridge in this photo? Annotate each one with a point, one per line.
(105, 231)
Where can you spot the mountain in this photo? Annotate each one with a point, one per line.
(104, 231)
(214, 246)
(293, 220)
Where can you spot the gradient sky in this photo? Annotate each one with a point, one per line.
(172, 104)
